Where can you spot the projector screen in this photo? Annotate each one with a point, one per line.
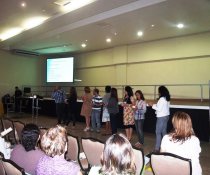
(60, 69)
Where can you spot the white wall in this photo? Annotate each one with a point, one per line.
(183, 60)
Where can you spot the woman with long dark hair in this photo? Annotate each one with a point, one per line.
(140, 110)
(72, 106)
(128, 113)
(113, 109)
(162, 114)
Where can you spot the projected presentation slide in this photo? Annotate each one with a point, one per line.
(60, 69)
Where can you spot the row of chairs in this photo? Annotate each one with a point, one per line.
(161, 163)
(93, 149)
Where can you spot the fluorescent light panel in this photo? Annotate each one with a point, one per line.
(33, 22)
(76, 4)
(10, 33)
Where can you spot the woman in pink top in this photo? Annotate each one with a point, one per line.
(54, 144)
(87, 107)
(183, 142)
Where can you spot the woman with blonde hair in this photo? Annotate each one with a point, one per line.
(182, 141)
(117, 157)
(54, 144)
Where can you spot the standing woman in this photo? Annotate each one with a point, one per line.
(72, 106)
(162, 114)
(106, 115)
(128, 114)
(113, 109)
(87, 107)
(140, 110)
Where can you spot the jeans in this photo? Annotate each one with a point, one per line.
(161, 130)
(113, 122)
(96, 119)
(139, 130)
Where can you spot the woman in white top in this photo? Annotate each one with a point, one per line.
(162, 114)
(183, 142)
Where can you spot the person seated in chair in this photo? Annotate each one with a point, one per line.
(182, 141)
(27, 154)
(54, 144)
(117, 157)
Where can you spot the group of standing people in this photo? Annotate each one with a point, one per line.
(92, 106)
(134, 109)
(65, 114)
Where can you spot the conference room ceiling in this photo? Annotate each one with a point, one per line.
(119, 20)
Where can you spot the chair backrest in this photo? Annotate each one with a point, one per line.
(139, 160)
(73, 148)
(11, 168)
(73, 151)
(93, 149)
(1, 125)
(10, 136)
(168, 163)
(42, 131)
(2, 171)
(18, 127)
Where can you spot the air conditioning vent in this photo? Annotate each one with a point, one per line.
(62, 2)
(24, 52)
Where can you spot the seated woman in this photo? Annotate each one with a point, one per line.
(182, 141)
(117, 157)
(27, 155)
(54, 144)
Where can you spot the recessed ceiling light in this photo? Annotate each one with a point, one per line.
(115, 33)
(108, 40)
(140, 33)
(83, 45)
(152, 25)
(86, 40)
(23, 4)
(180, 25)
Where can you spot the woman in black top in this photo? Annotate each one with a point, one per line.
(72, 106)
(113, 109)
